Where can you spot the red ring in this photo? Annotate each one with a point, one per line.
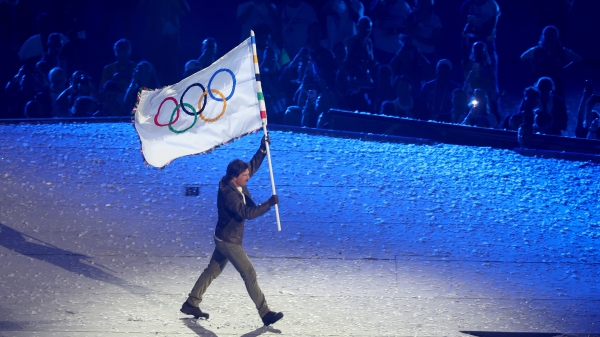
(158, 113)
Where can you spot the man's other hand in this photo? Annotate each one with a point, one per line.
(273, 200)
(263, 141)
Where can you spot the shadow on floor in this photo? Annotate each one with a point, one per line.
(261, 331)
(76, 263)
(194, 325)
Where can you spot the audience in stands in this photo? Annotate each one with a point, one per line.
(22, 88)
(360, 60)
(292, 115)
(341, 17)
(410, 62)
(275, 99)
(385, 90)
(293, 73)
(40, 106)
(339, 98)
(425, 29)
(587, 118)
(405, 104)
(35, 47)
(525, 135)
(553, 104)
(312, 84)
(310, 115)
(340, 53)
(144, 76)
(437, 93)
(334, 57)
(526, 113)
(388, 25)
(542, 122)
(53, 57)
(208, 53)
(549, 58)
(81, 85)
(58, 83)
(111, 100)
(480, 114)
(255, 12)
(161, 32)
(296, 17)
(322, 57)
(481, 75)
(480, 18)
(121, 70)
(460, 108)
(594, 124)
(191, 67)
(84, 106)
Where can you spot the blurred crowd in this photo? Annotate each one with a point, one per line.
(377, 56)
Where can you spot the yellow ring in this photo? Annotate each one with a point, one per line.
(210, 120)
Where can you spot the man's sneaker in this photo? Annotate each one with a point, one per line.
(272, 317)
(189, 309)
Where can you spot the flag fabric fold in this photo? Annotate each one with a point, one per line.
(203, 111)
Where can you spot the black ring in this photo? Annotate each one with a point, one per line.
(203, 105)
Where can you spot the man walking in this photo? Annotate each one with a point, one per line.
(234, 204)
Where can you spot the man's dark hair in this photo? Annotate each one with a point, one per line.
(235, 168)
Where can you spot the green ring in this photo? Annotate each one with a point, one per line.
(187, 105)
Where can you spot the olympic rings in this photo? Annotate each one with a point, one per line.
(201, 105)
(171, 121)
(177, 110)
(186, 90)
(210, 120)
(213, 77)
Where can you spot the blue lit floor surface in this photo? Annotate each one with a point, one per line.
(377, 239)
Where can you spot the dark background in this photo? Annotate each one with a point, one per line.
(519, 28)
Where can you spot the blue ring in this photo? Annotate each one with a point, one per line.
(218, 99)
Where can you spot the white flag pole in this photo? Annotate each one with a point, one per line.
(263, 116)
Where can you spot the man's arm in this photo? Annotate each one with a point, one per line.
(258, 157)
(234, 202)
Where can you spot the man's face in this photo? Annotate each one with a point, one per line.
(242, 179)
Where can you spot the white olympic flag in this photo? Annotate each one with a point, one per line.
(203, 111)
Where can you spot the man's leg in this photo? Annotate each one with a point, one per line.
(236, 254)
(217, 263)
